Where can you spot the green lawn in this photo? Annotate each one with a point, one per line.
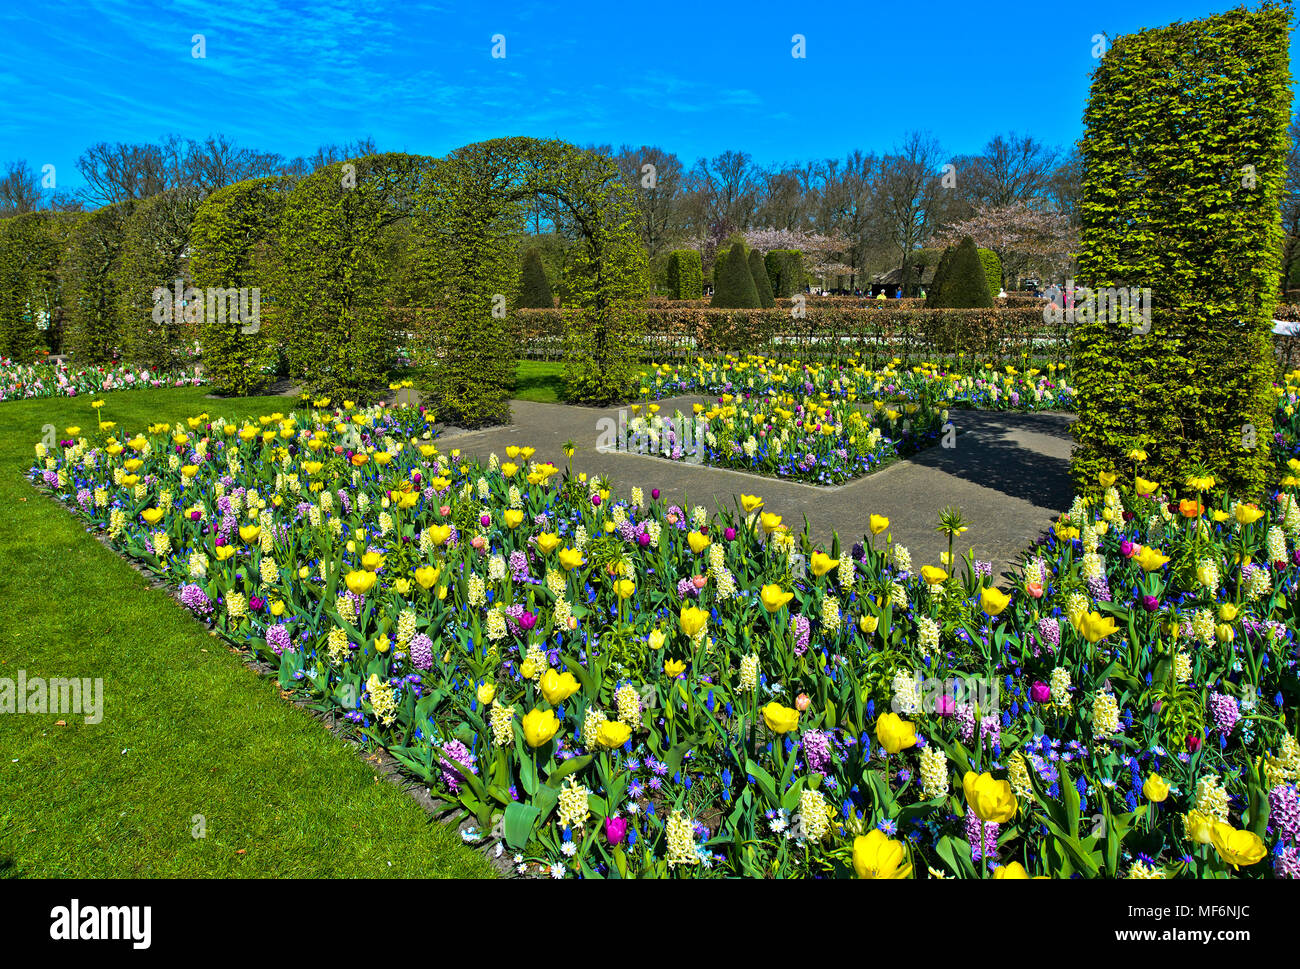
(541, 381)
(188, 729)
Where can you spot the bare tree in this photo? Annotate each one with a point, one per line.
(1011, 169)
(909, 194)
(658, 190)
(116, 173)
(20, 189)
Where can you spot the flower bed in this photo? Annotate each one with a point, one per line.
(821, 424)
(616, 686)
(19, 381)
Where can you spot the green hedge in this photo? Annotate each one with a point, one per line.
(336, 239)
(1184, 162)
(94, 327)
(960, 281)
(734, 284)
(992, 270)
(235, 237)
(785, 271)
(758, 272)
(32, 246)
(685, 274)
(155, 241)
(534, 287)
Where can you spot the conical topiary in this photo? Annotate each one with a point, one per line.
(758, 272)
(734, 287)
(534, 287)
(932, 297)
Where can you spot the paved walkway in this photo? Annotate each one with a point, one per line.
(1008, 473)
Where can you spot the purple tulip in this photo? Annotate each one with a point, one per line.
(1040, 692)
(1150, 603)
(946, 705)
(730, 534)
(1126, 548)
(220, 541)
(485, 520)
(416, 477)
(615, 830)
(654, 493)
(195, 515)
(527, 620)
(643, 539)
(256, 603)
(595, 500)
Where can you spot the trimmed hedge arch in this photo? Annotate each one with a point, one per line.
(469, 209)
(155, 245)
(94, 330)
(32, 246)
(339, 274)
(235, 236)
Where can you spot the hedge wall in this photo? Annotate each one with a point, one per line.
(32, 246)
(685, 274)
(235, 237)
(785, 271)
(338, 272)
(1184, 161)
(155, 240)
(94, 326)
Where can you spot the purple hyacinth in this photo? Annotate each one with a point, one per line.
(1050, 630)
(277, 637)
(816, 750)
(195, 599)
(461, 755)
(422, 652)
(1284, 814)
(802, 630)
(1226, 713)
(990, 847)
(1099, 588)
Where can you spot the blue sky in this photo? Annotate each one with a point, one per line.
(694, 78)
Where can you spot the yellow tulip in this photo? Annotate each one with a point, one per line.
(1105, 479)
(558, 687)
(152, 515)
(993, 601)
(571, 558)
(992, 801)
(1235, 847)
(1246, 514)
(876, 855)
(513, 517)
(224, 552)
(868, 624)
(751, 503)
(697, 542)
(773, 597)
(780, 719)
(1093, 627)
(933, 575)
(894, 733)
(438, 534)
(674, 668)
(877, 524)
(1144, 487)
(540, 726)
(624, 588)
(1199, 827)
(249, 533)
(1227, 612)
(770, 522)
(1015, 869)
(1156, 788)
(692, 620)
(427, 575)
(486, 693)
(360, 582)
(822, 563)
(1150, 560)
(612, 733)
(372, 561)
(547, 542)
(382, 644)
(656, 639)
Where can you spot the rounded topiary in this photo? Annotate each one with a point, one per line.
(734, 286)
(965, 286)
(534, 287)
(758, 271)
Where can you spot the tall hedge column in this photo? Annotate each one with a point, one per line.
(1184, 160)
